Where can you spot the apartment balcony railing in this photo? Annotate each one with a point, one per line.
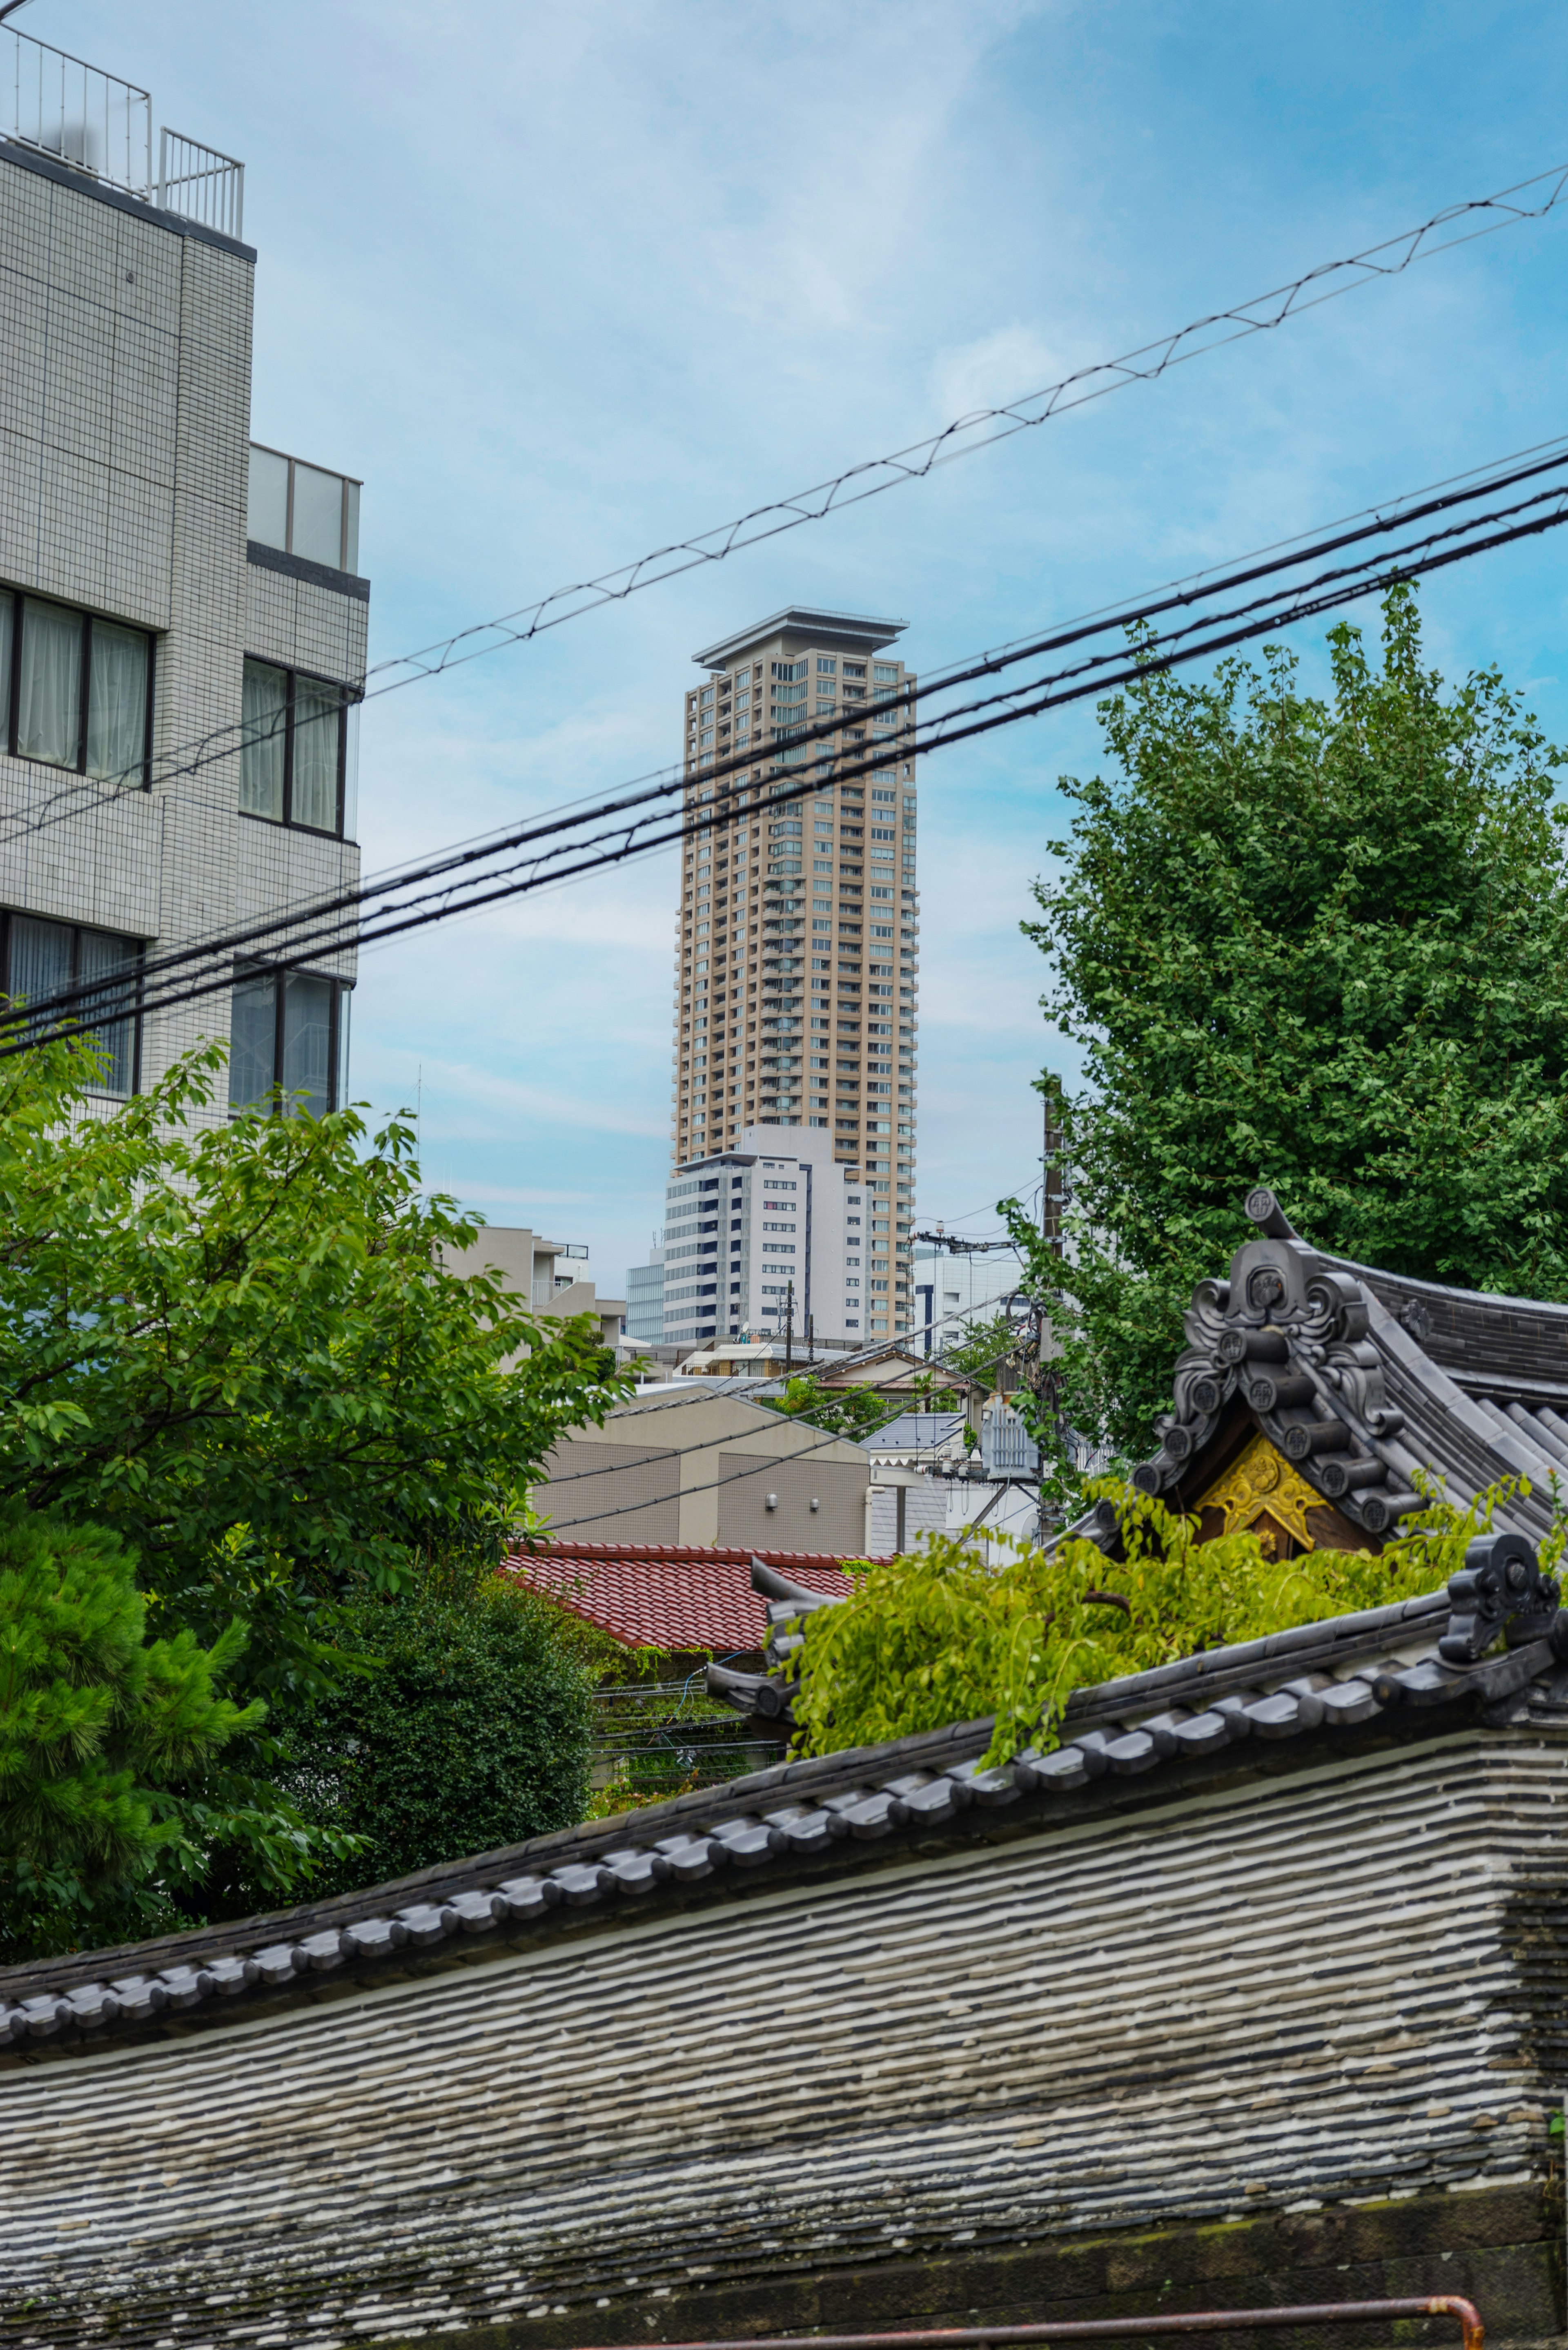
(102, 126)
(199, 183)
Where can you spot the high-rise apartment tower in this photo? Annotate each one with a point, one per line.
(797, 959)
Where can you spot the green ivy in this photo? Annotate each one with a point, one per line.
(940, 1637)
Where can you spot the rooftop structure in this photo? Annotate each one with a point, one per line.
(685, 1598)
(699, 1463)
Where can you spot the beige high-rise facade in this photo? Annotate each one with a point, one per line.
(797, 956)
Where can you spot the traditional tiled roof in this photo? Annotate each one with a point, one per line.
(680, 1597)
(1386, 1673)
(1363, 1380)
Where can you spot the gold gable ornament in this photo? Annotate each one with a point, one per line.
(1263, 1483)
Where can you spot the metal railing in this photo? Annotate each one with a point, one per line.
(103, 126)
(201, 184)
(63, 107)
(1143, 2329)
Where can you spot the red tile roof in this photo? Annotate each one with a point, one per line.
(672, 1595)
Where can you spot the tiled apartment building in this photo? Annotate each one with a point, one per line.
(183, 627)
(797, 942)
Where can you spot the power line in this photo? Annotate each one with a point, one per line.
(315, 931)
(1370, 523)
(980, 427)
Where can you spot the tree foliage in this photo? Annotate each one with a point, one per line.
(237, 1345)
(236, 1348)
(473, 1730)
(1320, 943)
(938, 1637)
(96, 1720)
(837, 1411)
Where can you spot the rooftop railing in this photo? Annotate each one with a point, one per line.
(201, 184)
(102, 126)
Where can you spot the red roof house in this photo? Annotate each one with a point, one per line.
(685, 1598)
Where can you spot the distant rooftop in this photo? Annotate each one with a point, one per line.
(102, 127)
(849, 632)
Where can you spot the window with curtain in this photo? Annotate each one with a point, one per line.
(49, 696)
(292, 765)
(116, 703)
(287, 1037)
(263, 732)
(39, 958)
(75, 691)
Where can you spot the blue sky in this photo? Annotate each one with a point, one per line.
(562, 284)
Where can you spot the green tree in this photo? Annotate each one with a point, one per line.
(986, 1349)
(97, 1721)
(1317, 944)
(237, 1345)
(837, 1411)
(473, 1730)
(939, 1636)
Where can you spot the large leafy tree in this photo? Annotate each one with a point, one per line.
(1318, 943)
(239, 1347)
(474, 1729)
(236, 1348)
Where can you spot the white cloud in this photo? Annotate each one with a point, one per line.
(995, 370)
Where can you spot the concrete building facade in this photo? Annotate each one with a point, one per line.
(182, 623)
(798, 937)
(776, 1235)
(692, 1464)
(553, 1276)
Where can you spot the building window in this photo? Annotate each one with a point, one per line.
(286, 1035)
(78, 691)
(39, 958)
(292, 759)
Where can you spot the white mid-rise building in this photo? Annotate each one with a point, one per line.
(182, 623)
(774, 1234)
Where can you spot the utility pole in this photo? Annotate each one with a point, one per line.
(789, 1326)
(1053, 1200)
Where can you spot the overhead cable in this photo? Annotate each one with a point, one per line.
(566, 847)
(1365, 528)
(1455, 224)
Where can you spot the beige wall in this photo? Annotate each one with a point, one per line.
(521, 1258)
(698, 1468)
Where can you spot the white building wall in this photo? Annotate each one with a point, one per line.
(741, 1227)
(124, 456)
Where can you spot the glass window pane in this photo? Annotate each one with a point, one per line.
(7, 616)
(252, 1039)
(265, 716)
(48, 720)
(266, 517)
(351, 772)
(318, 719)
(319, 516)
(307, 1042)
(40, 957)
(116, 703)
(101, 955)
